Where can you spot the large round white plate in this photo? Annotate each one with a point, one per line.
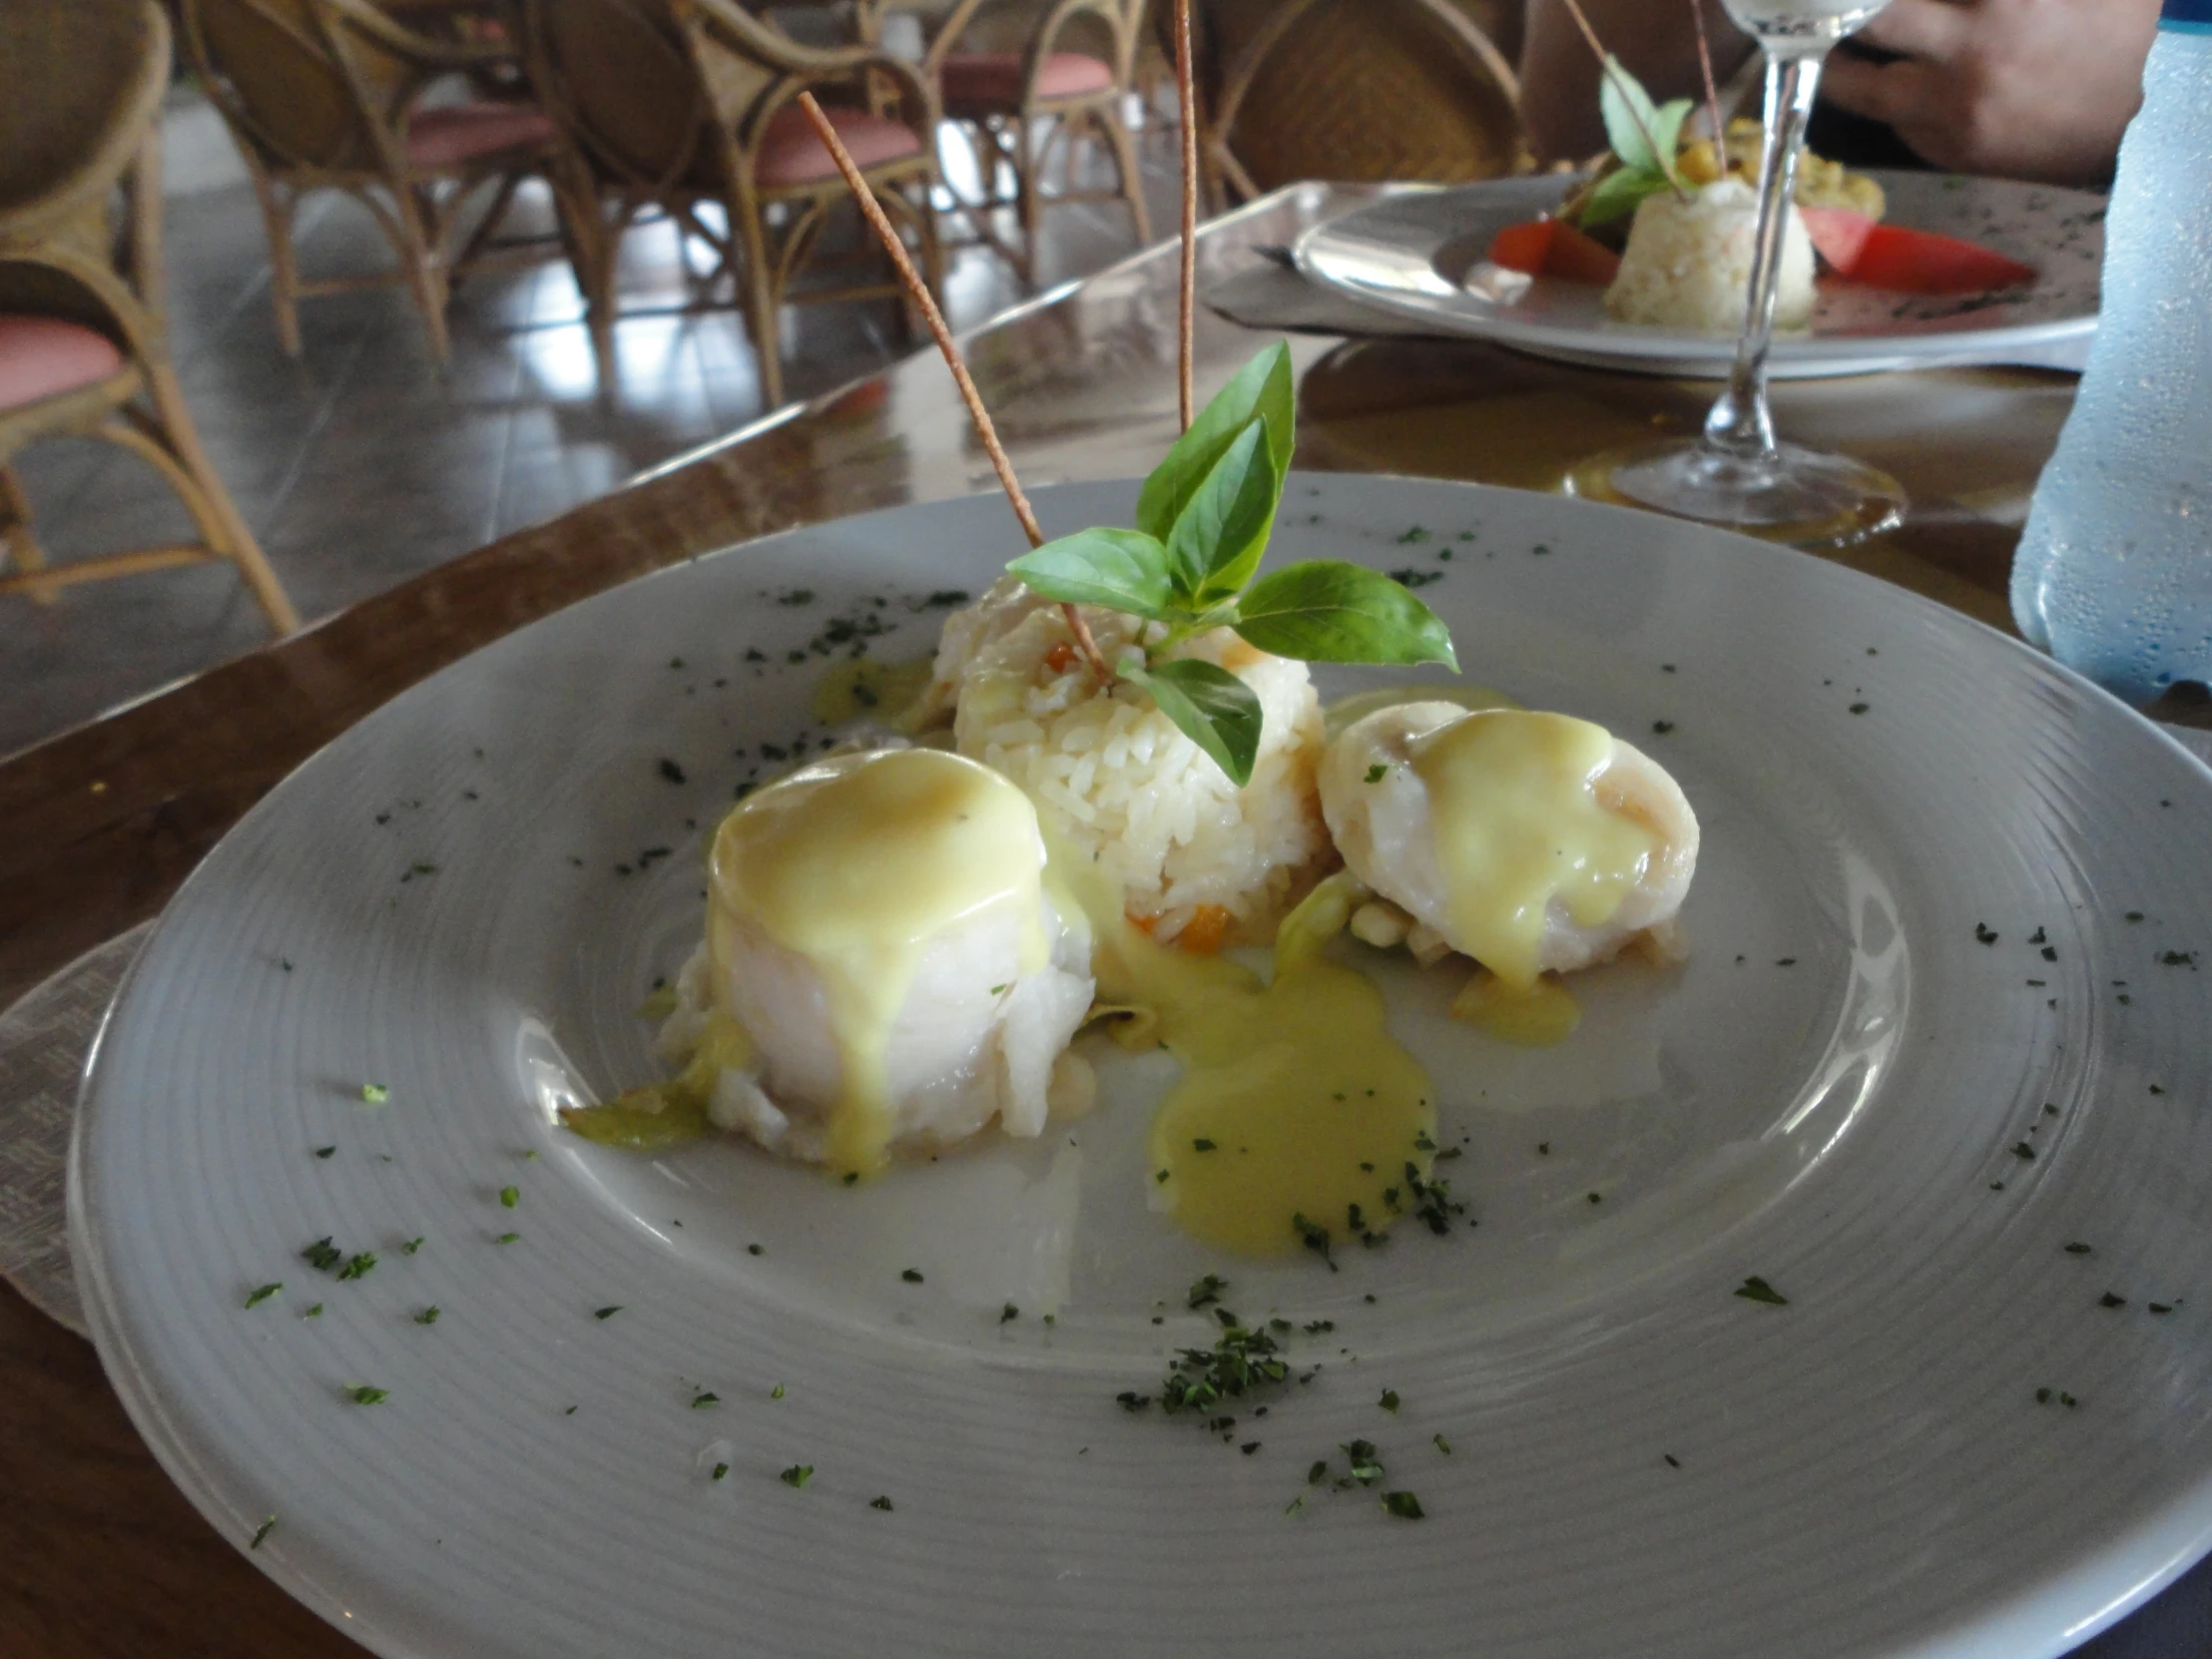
(1923, 1046)
(1421, 253)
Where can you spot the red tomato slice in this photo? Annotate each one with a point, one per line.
(1838, 236)
(1574, 258)
(1523, 246)
(1920, 261)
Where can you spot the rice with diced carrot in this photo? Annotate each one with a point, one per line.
(1116, 785)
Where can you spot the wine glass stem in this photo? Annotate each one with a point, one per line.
(1739, 423)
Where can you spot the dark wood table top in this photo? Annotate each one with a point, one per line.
(99, 1552)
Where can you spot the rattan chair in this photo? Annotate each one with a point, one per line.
(1354, 90)
(689, 105)
(326, 95)
(1020, 77)
(82, 345)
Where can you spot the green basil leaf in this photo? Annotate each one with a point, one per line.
(1618, 194)
(1211, 707)
(1125, 570)
(1325, 612)
(1262, 388)
(1217, 542)
(1666, 126)
(1629, 115)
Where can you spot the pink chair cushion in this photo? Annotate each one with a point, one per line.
(791, 154)
(462, 133)
(43, 355)
(994, 78)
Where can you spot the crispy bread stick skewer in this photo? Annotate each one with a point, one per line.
(920, 293)
(1186, 94)
(1711, 97)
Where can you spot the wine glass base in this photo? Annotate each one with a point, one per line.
(1794, 496)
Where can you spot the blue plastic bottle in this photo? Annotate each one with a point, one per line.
(2114, 571)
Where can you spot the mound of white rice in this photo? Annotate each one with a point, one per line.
(1115, 782)
(1687, 264)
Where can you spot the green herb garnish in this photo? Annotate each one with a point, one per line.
(507, 1237)
(428, 1315)
(509, 1196)
(798, 1475)
(262, 1531)
(1202, 521)
(1755, 1289)
(257, 1298)
(375, 1093)
(1643, 135)
(883, 1503)
(358, 1266)
(1388, 1401)
(322, 1254)
(1404, 1505)
(366, 1396)
(411, 1245)
(606, 1313)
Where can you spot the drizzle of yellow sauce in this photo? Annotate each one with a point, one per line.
(1305, 1103)
(855, 863)
(667, 1114)
(1536, 1016)
(860, 687)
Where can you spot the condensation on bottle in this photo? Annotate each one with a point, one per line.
(2115, 572)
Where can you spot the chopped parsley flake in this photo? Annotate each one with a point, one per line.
(1207, 1289)
(1662, 727)
(375, 1093)
(721, 1469)
(314, 1313)
(1009, 1312)
(1673, 1462)
(2077, 1248)
(1311, 1234)
(2023, 1151)
(1755, 1289)
(1444, 1446)
(358, 1266)
(321, 1255)
(507, 1237)
(1388, 1401)
(262, 1531)
(1404, 1505)
(670, 770)
(366, 1396)
(1378, 771)
(324, 1151)
(883, 1503)
(776, 1393)
(428, 1315)
(607, 1313)
(411, 1245)
(798, 1475)
(2112, 1300)
(264, 1294)
(1201, 1144)
(704, 1398)
(1983, 934)
(755, 1250)
(509, 1196)
(912, 1276)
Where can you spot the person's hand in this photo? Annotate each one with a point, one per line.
(2022, 89)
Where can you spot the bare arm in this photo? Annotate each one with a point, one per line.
(2025, 89)
(1653, 38)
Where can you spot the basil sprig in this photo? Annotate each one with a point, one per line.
(1644, 136)
(1203, 520)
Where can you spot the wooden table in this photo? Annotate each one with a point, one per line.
(99, 1553)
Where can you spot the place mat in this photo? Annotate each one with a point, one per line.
(44, 1041)
(1273, 294)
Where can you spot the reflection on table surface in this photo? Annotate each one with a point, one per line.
(107, 821)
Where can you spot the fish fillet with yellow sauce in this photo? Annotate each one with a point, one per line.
(1534, 842)
(882, 967)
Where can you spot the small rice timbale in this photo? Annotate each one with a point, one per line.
(1118, 786)
(1687, 264)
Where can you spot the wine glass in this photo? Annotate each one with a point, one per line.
(1736, 474)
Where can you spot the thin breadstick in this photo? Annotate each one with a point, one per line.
(926, 303)
(1186, 95)
(1711, 97)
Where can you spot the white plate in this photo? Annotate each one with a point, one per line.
(1866, 1470)
(1421, 253)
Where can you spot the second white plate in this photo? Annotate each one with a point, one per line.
(1414, 253)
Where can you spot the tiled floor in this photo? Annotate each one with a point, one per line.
(358, 465)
